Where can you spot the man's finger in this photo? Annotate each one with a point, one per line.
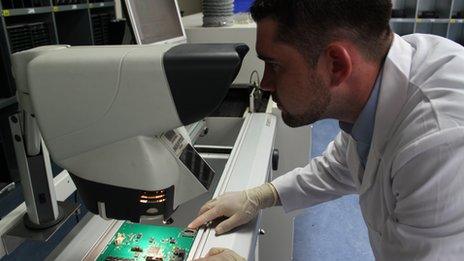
(205, 217)
(207, 206)
(229, 224)
(215, 251)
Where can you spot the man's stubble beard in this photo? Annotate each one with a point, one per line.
(316, 106)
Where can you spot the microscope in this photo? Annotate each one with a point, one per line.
(112, 117)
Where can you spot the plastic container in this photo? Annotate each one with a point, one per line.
(242, 6)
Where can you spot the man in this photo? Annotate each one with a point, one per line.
(400, 103)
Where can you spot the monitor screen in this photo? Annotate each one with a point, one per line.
(155, 21)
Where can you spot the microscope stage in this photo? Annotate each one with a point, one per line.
(149, 243)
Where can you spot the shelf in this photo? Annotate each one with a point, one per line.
(456, 21)
(403, 20)
(74, 28)
(64, 21)
(26, 11)
(58, 8)
(64, 8)
(437, 8)
(101, 5)
(433, 20)
(423, 20)
(29, 35)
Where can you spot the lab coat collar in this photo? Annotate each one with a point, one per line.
(392, 97)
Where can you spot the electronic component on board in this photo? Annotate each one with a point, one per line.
(136, 249)
(119, 239)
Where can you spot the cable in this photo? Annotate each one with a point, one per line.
(76, 199)
(258, 79)
(8, 188)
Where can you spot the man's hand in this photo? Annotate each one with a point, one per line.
(240, 207)
(221, 254)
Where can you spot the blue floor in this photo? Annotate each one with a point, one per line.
(334, 230)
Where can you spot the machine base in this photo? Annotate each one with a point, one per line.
(21, 231)
(31, 225)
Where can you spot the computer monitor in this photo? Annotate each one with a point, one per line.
(155, 21)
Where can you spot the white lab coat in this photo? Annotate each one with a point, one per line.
(412, 190)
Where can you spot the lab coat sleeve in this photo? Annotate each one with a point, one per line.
(325, 178)
(427, 222)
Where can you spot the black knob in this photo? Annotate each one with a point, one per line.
(275, 159)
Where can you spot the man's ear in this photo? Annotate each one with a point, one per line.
(338, 63)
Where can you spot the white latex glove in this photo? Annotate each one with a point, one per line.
(240, 207)
(221, 254)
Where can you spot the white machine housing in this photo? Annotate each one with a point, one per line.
(105, 112)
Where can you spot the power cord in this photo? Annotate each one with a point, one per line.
(257, 100)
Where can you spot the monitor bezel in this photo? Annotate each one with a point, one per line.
(138, 40)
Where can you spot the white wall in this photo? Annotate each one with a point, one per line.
(190, 6)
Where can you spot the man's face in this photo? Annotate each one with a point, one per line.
(298, 90)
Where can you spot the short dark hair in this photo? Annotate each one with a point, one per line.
(310, 25)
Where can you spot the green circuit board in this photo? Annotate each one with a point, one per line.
(148, 243)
